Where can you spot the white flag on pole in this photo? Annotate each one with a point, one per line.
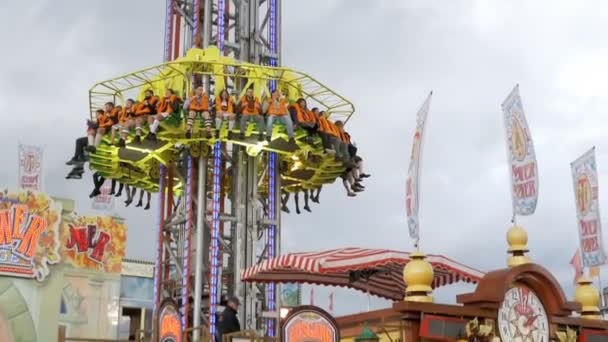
(521, 155)
(584, 178)
(413, 174)
(30, 167)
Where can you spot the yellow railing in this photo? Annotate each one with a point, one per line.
(177, 74)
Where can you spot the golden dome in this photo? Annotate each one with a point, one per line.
(517, 238)
(589, 298)
(418, 276)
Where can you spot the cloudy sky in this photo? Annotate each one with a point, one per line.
(385, 56)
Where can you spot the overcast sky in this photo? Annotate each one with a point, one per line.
(385, 56)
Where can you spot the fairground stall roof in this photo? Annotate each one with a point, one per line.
(377, 271)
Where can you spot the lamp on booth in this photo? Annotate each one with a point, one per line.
(517, 238)
(418, 276)
(589, 298)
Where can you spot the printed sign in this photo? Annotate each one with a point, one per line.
(94, 243)
(30, 167)
(169, 323)
(290, 294)
(310, 324)
(29, 234)
(413, 173)
(522, 158)
(584, 177)
(104, 201)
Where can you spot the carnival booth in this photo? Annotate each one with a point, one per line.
(523, 302)
(60, 272)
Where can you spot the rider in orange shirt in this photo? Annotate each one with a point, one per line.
(251, 109)
(198, 104)
(277, 111)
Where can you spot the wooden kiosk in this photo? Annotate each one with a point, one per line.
(521, 303)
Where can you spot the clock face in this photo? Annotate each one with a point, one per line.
(522, 317)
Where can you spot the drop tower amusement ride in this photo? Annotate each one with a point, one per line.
(219, 198)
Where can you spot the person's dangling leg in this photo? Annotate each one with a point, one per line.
(288, 126)
(243, 125)
(306, 196)
(296, 197)
(97, 183)
(149, 195)
(231, 118)
(113, 187)
(269, 125)
(284, 201)
(316, 197)
(208, 121)
(139, 122)
(260, 122)
(120, 187)
(129, 197)
(218, 121)
(141, 198)
(190, 123)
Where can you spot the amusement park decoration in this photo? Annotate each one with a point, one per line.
(376, 271)
(522, 302)
(30, 167)
(94, 242)
(29, 234)
(412, 183)
(367, 335)
(522, 158)
(170, 328)
(310, 323)
(585, 181)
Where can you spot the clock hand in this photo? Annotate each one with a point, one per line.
(531, 320)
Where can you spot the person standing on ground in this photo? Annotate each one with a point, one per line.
(229, 322)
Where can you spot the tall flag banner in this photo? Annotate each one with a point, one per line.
(584, 178)
(521, 155)
(30, 167)
(104, 201)
(577, 264)
(412, 182)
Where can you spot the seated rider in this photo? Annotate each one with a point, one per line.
(142, 110)
(168, 105)
(277, 111)
(126, 121)
(198, 104)
(302, 117)
(224, 110)
(344, 142)
(330, 135)
(98, 129)
(251, 109)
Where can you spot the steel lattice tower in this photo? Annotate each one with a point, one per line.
(208, 234)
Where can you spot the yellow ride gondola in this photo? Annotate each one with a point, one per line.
(306, 164)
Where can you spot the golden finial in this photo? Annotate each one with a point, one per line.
(517, 238)
(589, 298)
(418, 276)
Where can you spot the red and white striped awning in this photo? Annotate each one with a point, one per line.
(377, 271)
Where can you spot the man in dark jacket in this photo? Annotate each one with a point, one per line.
(228, 322)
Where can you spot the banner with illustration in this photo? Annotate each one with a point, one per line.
(30, 167)
(104, 201)
(413, 173)
(521, 155)
(95, 243)
(584, 177)
(29, 234)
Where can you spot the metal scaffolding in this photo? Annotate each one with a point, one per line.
(223, 222)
